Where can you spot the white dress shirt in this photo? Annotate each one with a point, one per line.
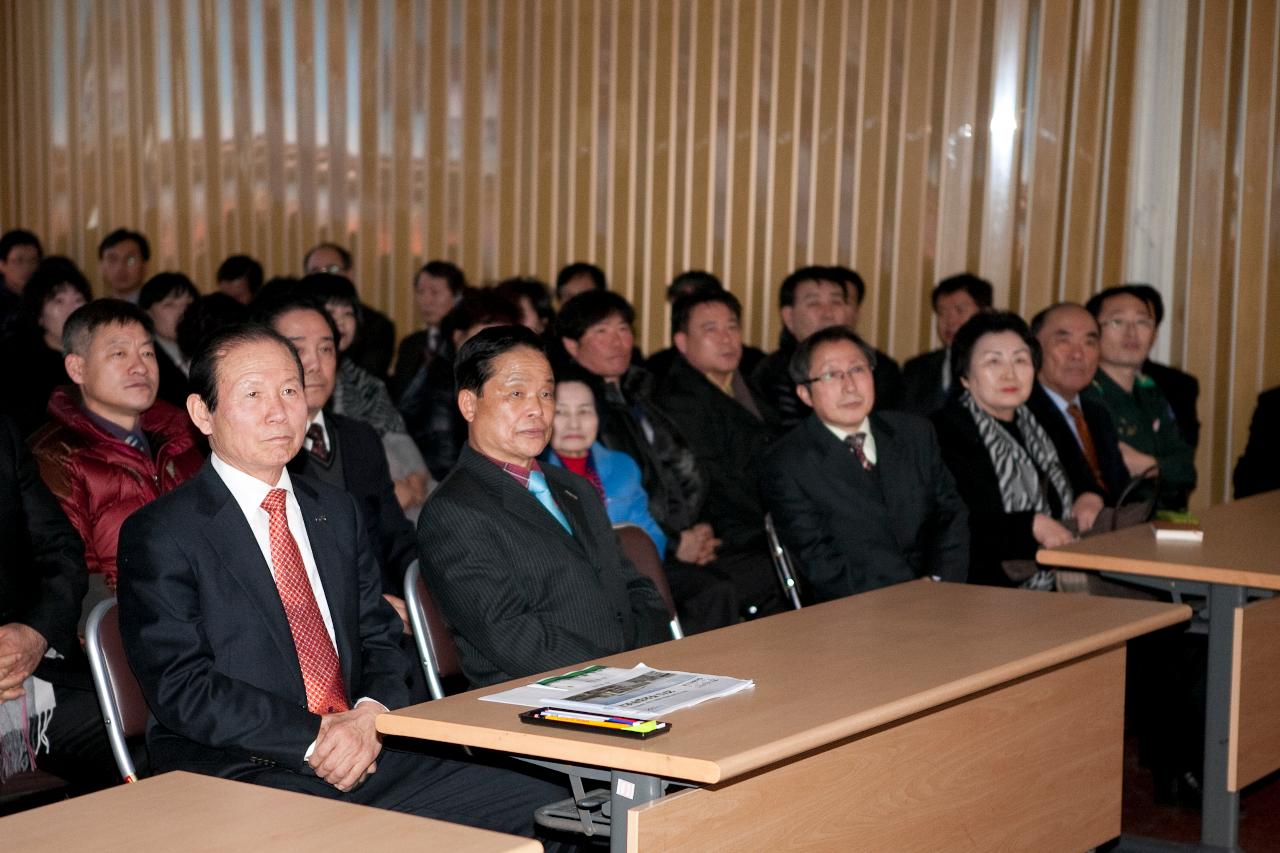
(249, 493)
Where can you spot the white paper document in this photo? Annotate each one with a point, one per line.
(641, 691)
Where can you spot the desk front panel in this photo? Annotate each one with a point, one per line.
(1033, 765)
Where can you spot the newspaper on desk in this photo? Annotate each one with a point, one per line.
(641, 692)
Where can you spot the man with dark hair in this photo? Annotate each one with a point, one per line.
(430, 402)
(861, 497)
(1079, 426)
(122, 261)
(42, 582)
(1150, 442)
(595, 328)
(252, 614)
(110, 446)
(437, 287)
(240, 277)
(522, 559)
(375, 344)
(813, 298)
(1180, 388)
(341, 451)
(578, 277)
(728, 426)
(684, 284)
(927, 377)
(20, 253)
(166, 297)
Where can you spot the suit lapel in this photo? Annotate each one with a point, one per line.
(839, 468)
(228, 533)
(521, 503)
(893, 466)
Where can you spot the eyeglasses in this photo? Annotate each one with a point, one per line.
(837, 377)
(1119, 324)
(332, 269)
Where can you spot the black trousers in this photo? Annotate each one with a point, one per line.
(78, 748)
(488, 792)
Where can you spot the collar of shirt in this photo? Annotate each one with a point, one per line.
(1062, 403)
(868, 444)
(520, 474)
(324, 429)
(118, 432)
(249, 492)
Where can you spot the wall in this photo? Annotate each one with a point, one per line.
(909, 140)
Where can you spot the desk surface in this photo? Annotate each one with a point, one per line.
(1241, 547)
(186, 811)
(821, 674)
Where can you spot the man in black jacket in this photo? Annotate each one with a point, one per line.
(861, 498)
(43, 580)
(1079, 426)
(729, 426)
(522, 559)
(927, 377)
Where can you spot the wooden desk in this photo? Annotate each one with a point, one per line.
(186, 811)
(922, 716)
(1239, 559)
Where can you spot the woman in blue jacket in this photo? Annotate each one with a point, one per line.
(615, 475)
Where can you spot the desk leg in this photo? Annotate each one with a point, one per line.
(625, 791)
(1220, 821)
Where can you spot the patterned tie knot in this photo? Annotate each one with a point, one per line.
(319, 448)
(274, 502)
(857, 440)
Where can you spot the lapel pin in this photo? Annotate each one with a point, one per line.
(570, 494)
(321, 518)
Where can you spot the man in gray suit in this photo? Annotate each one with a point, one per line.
(522, 560)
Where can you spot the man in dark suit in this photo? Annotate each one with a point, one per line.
(1079, 426)
(43, 579)
(813, 298)
(927, 377)
(375, 342)
(1259, 467)
(522, 560)
(728, 426)
(861, 498)
(252, 614)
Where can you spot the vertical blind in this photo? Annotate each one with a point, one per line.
(909, 140)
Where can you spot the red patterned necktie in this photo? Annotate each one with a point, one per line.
(320, 671)
(855, 442)
(319, 449)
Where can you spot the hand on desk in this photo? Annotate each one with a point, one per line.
(347, 746)
(21, 648)
(1085, 510)
(1048, 532)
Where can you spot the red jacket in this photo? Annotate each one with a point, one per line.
(100, 480)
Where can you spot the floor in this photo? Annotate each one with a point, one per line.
(1259, 810)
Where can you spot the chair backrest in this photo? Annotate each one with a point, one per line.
(436, 649)
(782, 563)
(124, 710)
(643, 554)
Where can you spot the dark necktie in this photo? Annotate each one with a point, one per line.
(319, 449)
(855, 443)
(1086, 443)
(321, 674)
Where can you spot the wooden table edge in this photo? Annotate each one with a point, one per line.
(598, 751)
(1154, 568)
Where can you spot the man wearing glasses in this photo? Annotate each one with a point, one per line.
(1150, 441)
(861, 498)
(122, 260)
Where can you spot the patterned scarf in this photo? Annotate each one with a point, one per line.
(1016, 470)
(24, 727)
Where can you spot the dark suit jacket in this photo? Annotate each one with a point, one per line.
(42, 571)
(174, 385)
(850, 531)
(729, 443)
(1259, 467)
(520, 594)
(206, 634)
(1182, 390)
(1106, 444)
(366, 476)
(922, 383)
